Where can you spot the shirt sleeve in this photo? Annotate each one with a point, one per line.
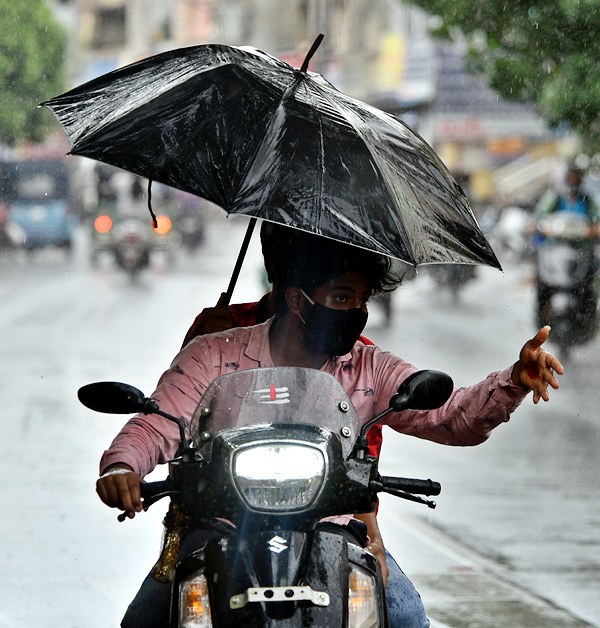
(148, 440)
(469, 415)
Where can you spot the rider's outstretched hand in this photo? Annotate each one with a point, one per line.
(536, 367)
(119, 487)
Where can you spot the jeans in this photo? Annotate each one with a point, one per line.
(405, 607)
(150, 607)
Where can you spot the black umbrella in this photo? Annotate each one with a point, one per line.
(258, 137)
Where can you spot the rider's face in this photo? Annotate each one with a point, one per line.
(348, 291)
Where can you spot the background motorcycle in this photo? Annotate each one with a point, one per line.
(132, 245)
(565, 271)
(273, 451)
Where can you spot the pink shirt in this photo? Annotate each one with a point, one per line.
(369, 375)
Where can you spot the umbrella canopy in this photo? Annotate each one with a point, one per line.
(258, 137)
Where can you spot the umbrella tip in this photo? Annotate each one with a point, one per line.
(311, 52)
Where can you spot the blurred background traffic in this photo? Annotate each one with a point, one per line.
(506, 108)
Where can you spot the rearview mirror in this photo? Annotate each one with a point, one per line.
(423, 390)
(119, 398)
(115, 398)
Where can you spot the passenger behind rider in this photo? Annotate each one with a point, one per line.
(321, 308)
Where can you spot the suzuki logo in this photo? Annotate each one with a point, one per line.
(277, 544)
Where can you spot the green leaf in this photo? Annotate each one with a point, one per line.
(32, 62)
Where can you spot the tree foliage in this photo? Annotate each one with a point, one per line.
(540, 51)
(32, 51)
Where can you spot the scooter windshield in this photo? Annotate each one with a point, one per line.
(278, 395)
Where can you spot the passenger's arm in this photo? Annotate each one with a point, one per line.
(376, 546)
(210, 320)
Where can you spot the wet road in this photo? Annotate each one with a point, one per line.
(529, 498)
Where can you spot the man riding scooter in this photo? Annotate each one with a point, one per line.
(568, 224)
(320, 312)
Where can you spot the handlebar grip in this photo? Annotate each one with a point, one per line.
(412, 485)
(148, 490)
(151, 492)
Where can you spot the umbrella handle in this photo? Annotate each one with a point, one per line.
(240, 261)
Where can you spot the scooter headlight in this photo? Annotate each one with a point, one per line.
(279, 476)
(362, 600)
(194, 603)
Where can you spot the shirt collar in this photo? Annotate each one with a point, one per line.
(259, 348)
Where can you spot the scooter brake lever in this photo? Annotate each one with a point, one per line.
(147, 502)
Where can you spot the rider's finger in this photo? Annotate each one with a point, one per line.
(125, 498)
(549, 365)
(135, 493)
(102, 493)
(542, 388)
(554, 363)
(549, 378)
(111, 493)
(223, 300)
(540, 338)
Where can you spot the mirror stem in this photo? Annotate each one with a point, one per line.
(361, 447)
(151, 407)
(365, 428)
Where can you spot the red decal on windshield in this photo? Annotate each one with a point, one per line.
(273, 392)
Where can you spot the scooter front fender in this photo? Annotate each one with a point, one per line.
(318, 592)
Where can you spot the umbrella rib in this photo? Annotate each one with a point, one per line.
(377, 161)
(251, 161)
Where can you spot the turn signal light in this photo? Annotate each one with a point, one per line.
(103, 224)
(163, 224)
(362, 602)
(194, 603)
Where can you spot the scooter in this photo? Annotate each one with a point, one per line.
(132, 245)
(272, 452)
(565, 270)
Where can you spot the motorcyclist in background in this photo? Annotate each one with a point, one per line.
(572, 200)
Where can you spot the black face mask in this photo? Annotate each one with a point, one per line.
(331, 331)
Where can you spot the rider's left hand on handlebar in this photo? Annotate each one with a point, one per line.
(536, 367)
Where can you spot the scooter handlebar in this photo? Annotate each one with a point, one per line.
(151, 492)
(412, 485)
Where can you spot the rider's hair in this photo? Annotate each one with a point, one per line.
(275, 240)
(309, 261)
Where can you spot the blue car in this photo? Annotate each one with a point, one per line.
(36, 194)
